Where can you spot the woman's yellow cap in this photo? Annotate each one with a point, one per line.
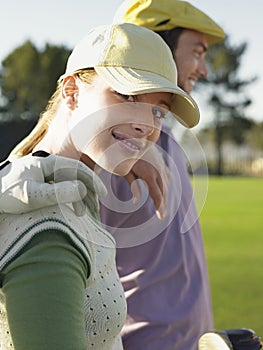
(133, 60)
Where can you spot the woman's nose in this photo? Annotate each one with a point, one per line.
(143, 122)
(143, 129)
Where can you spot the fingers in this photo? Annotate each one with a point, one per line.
(26, 184)
(135, 187)
(25, 196)
(74, 192)
(157, 181)
(79, 208)
(162, 208)
(64, 170)
(242, 338)
(89, 178)
(44, 194)
(155, 189)
(59, 169)
(91, 201)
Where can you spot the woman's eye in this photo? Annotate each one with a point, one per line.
(159, 112)
(128, 98)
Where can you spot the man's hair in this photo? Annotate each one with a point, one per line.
(171, 37)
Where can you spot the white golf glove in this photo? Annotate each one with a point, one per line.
(31, 183)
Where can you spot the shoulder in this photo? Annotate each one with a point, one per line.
(17, 230)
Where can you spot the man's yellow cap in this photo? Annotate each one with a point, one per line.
(159, 15)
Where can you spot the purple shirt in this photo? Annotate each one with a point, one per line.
(162, 264)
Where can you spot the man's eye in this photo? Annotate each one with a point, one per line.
(159, 112)
(199, 53)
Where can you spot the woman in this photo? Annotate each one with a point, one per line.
(60, 288)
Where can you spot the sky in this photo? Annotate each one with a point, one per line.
(66, 22)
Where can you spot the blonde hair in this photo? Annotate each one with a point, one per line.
(27, 145)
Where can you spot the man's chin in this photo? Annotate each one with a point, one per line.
(188, 86)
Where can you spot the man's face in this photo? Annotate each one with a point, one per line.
(190, 58)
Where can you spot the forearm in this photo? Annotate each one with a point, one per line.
(44, 290)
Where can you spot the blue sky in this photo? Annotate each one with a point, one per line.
(65, 22)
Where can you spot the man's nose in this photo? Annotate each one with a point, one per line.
(202, 69)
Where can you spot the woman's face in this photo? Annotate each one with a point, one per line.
(113, 130)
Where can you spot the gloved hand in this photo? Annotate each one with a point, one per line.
(230, 339)
(31, 182)
(241, 338)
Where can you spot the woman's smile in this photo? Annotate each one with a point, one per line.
(129, 143)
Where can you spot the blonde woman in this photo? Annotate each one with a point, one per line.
(59, 285)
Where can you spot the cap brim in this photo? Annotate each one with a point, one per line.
(134, 82)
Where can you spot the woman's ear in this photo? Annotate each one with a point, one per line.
(70, 92)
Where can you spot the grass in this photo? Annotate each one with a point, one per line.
(232, 225)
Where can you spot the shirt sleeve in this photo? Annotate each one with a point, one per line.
(44, 291)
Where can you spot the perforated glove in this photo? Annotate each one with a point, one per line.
(230, 339)
(31, 182)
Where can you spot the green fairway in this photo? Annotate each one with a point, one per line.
(232, 225)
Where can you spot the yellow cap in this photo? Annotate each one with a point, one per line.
(133, 60)
(159, 15)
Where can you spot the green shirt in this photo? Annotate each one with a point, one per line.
(60, 287)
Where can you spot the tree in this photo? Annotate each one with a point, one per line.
(226, 95)
(28, 79)
(254, 136)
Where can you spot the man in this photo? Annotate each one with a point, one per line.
(162, 263)
(162, 267)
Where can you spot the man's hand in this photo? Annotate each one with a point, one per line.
(30, 183)
(151, 168)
